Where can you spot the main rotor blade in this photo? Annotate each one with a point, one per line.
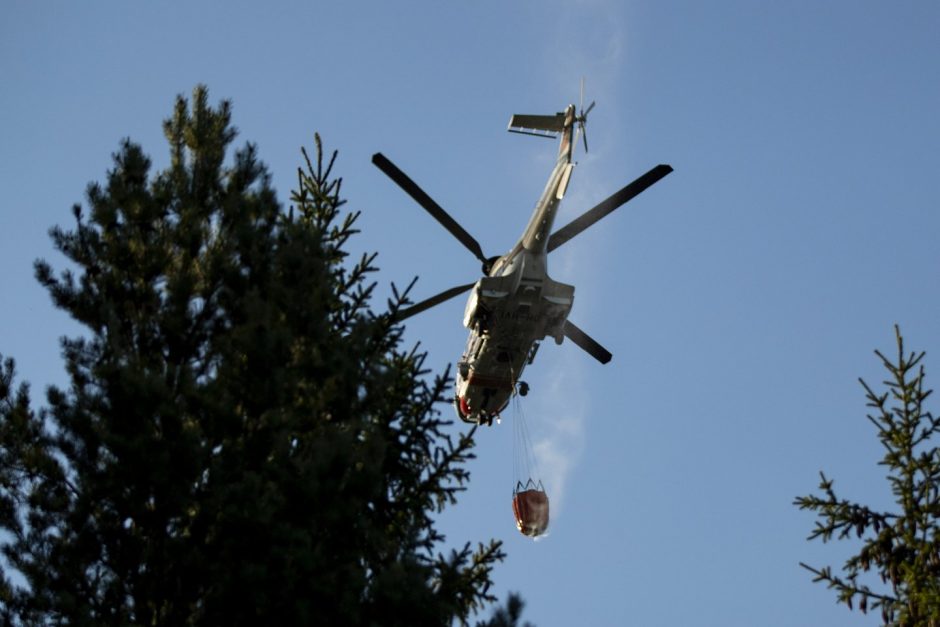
(428, 203)
(430, 302)
(586, 342)
(591, 216)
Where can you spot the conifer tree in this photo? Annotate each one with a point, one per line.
(897, 569)
(243, 440)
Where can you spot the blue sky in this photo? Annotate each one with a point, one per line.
(741, 296)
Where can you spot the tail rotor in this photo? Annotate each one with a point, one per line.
(582, 116)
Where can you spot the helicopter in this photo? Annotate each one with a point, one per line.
(516, 305)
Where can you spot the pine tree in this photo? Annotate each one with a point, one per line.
(244, 441)
(901, 547)
(508, 616)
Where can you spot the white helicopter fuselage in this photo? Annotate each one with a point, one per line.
(516, 306)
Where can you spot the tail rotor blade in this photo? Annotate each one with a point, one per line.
(431, 302)
(419, 195)
(587, 343)
(591, 216)
(582, 117)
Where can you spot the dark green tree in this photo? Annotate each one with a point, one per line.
(900, 549)
(243, 441)
(508, 616)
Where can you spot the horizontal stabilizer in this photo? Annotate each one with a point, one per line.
(538, 125)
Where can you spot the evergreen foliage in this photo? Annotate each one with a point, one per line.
(902, 547)
(243, 440)
(508, 616)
